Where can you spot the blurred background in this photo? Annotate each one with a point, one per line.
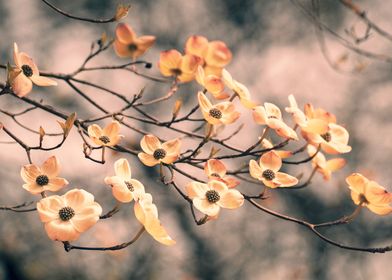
(276, 52)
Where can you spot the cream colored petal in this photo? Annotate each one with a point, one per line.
(196, 45)
(231, 199)
(316, 126)
(210, 209)
(122, 193)
(357, 182)
(231, 182)
(157, 231)
(271, 160)
(260, 115)
(204, 103)
(122, 169)
(78, 199)
(229, 118)
(30, 172)
(112, 130)
(336, 164)
(377, 194)
(215, 167)
(147, 159)
(139, 191)
(48, 208)
(51, 167)
(21, 85)
(43, 81)
(228, 79)
(282, 129)
(338, 134)
(169, 159)
(122, 50)
(255, 170)
(114, 140)
(55, 184)
(196, 189)
(150, 143)
(33, 188)
(172, 147)
(61, 231)
(87, 218)
(272, 110)
(335, 148)
(170, 59)
(285, 180)
(94, 130)
(16, 57)
(380, 209)
(219, 186)
(218, 54)
(25, 59)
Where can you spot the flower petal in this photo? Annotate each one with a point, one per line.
(196, 189)
(196, 45)
(122, 169)
(87, 218)
(48, 208)
(255, 170)
(51, 167)
(61, 231)
(30, 172)
(150, 143)
(271, 160)
(43, 81)
(210, 209)
(204, 103)
(78, 199)
(215, 167)
(172, 147)
(125, 33)
(357, 183)
(94, 130)
(147, 159)
(231, 199)
(285, 180)
(112, 130)
(55, 184)
(21, 85)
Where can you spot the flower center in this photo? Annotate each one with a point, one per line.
(104, 139)
(132, 47)
(326, 136)
(66, 213)
(212, 196)
(268, 174)
(27, 71)
(215, 175)
(215, 113)
(42, 180)
(176, 72)
(129, 186)
(159, 154)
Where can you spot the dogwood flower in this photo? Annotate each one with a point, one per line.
(124, 188)
(239, 89)
(370, 194)
(22, 84)
(109, 136)
(325, 167)
(221, 113)
(147, 214)
(216, 170)
(211, 83)
(215, 54)
(182, 67)
(267, 171)
(282, 153)
(127, 44)
(270, 115)
(43, 178)
(209, 198)
(154, 152)
(67, 216)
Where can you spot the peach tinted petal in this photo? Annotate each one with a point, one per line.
(170, 159)
(48, 208)
(380, 209)
(271, 160)
(77, 199)
(231, 199)
(56, 184)
(218, 54)
(336, 164)
(255, 170)
(316, 126)
(112, 129)
(158, 232)
(231, 182)
(122, 169)
(339, 133)
(196, 45)
(196, 189)
(168, 61)
(122, 193)
(150, 143)
(16, 57)
(30, 172)
(272, 110)
(189, 63)
(214, 166)
(172, 147)
(335, 148)
(147, 159)
(42, 81)
(260, 115)
(217, 185)
(376, 194)
(210, 209)
(24, 59)
(286, 180)
(87, 218)
(204, 103)
(33, 188)
(114, 140)
(357, 183)
(21, 85)
(125, 33)
(122, 50)
(51, 167)
(94, 130)
(61, 231)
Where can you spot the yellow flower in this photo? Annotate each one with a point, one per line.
(215, 54)
(155, 152)
(67, 216)
(370, 194)
(241, 90)
(124, 188)
(270, 115)
(43, 178)
(109, 136)
(147, 214)
(183, 67)
(267, 171)
(209, 198)
(325, 167)
(222, 113)
(282, 153)
(127, 44)
(211, 83)
(22, 84)
(216, 170)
